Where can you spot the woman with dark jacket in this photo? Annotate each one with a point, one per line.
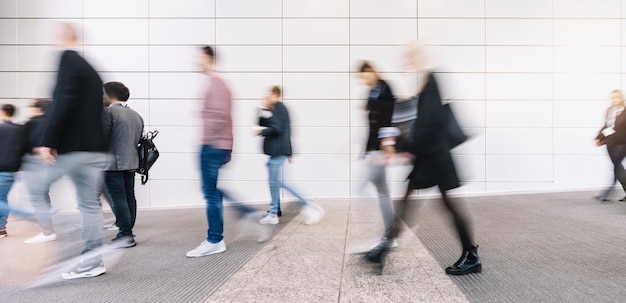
(613, 135)
(277, 144)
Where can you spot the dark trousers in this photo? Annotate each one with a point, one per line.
(460, 220)
(617, 153)
(121, 188)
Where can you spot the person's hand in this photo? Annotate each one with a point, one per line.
(47, 154)
(257, 132)
(389, 150)
(598, 143)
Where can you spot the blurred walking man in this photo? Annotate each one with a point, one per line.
(73, 144)
(217, 145)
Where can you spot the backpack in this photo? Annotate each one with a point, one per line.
(148, 154)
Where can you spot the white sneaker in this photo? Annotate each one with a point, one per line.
(111, 226)
(312, 213)
(269, 219)
(82, 270)
(206, 248)
(392, 244)
(41, 238)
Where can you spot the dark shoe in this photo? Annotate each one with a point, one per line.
(3, 233)
(280, 213)
(602, 198)
(124, 241)
(378, 254)
(622, 199)
(467, 264)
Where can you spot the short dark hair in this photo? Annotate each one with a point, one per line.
(276, 90)
(41, 104)
(207, 50)
(117, 90)
(8, 109)
(366, 67)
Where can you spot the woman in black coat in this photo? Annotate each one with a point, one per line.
(613, 135)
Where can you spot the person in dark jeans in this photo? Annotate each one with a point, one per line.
(11, 148)
(217, 145)
(122, 128)
(613, 135)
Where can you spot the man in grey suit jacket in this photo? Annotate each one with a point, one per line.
(123, 128)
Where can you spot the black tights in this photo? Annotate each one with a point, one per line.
(460, 221)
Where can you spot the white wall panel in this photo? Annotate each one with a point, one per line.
(319, 112)
(186, 113)
(316, 58)
(176, 58)
(177, 85)
(519, 86)
(474, 145)
(118, 58)
(382, 31)
(327, 86)
(451, 8)
(252, 85)
(178, 139)
(384, 58)
(319, 8)
(37, 31)
(459, 58)
(35, 84)
(519, 32)
(320, 140)
(373, 8)
(182, 9)
(520, 141)
(182, 31)
(580, 113)
(593, 169)
(316, 31)
(137, 83)
(452, 31)
(8, 31)
(115, 9)
(50, 8)
(587, 9)
(576, 141)
(8, 58)
(461, 86)
(248, 31)
(8, 8)
(585, 87)
(520, 168)
(518, 9)
(518, 186)
(249, 58)
(587, 59)
(311, 167)
(248, 8)
(38, 58)
(601, 32)
(519, 58)
(519, 114)
(469, 113)
(168, 193)
(122, 31)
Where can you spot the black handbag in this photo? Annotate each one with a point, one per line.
(148, 154)
(454, 133)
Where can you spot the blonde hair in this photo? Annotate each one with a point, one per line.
(622, 103)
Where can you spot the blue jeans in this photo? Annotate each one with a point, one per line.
(211, 160)
(120, 185)
(6, 182)
(275, 165)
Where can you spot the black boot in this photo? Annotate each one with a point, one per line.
(378, 254)
(467, 264)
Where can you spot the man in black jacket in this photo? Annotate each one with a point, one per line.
(73, 144)
(277, 145)
(10, 153)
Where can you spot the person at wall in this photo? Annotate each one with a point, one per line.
(274, 118)
(217, 145)
(73, 144)
(613, 135)
(432, 166)
(122, 128)
(32, 167)
(10, 154)
(381, 141)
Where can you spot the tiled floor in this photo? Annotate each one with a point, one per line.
(313, 264)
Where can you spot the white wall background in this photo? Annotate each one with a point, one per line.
(530, 80)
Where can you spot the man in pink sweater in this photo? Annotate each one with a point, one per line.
(217, 145)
